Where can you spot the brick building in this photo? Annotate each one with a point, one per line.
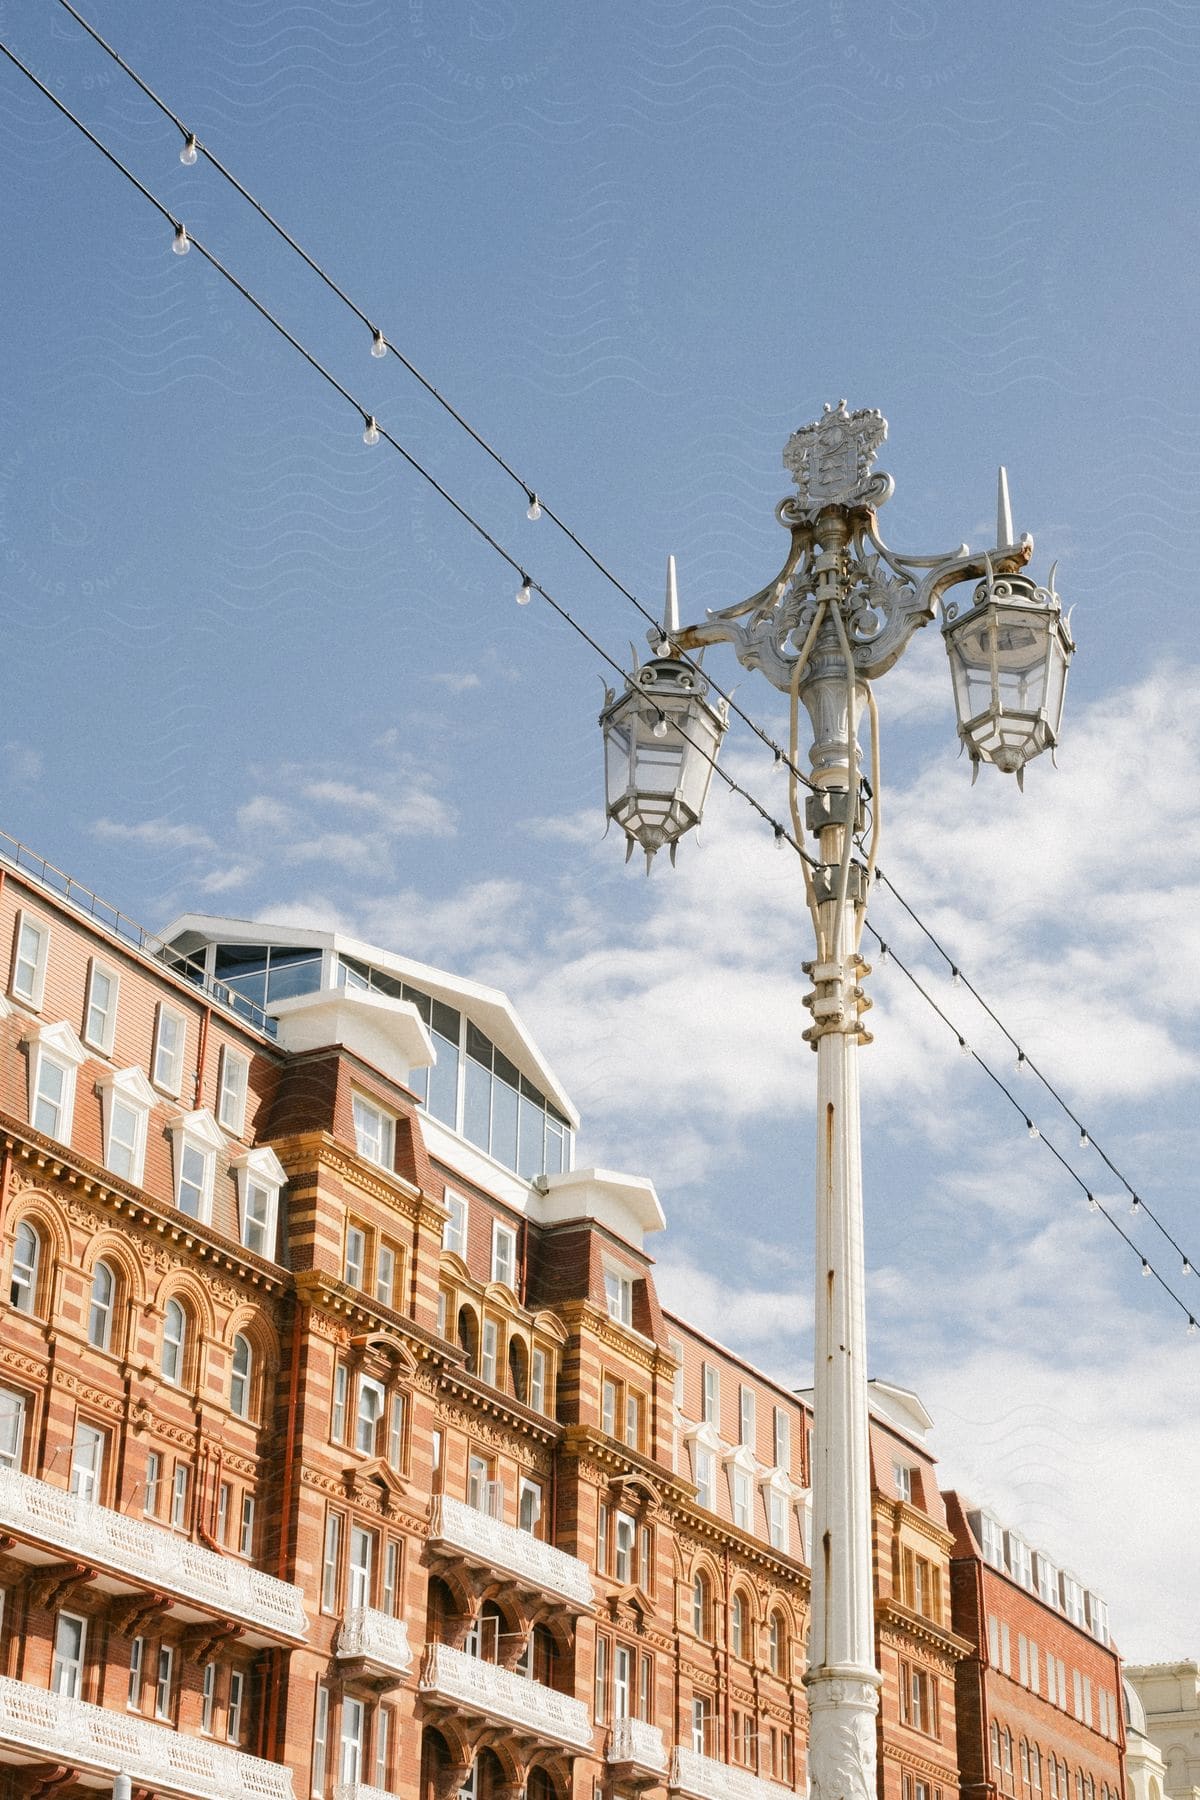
(1040, 1702)
(345, 1449)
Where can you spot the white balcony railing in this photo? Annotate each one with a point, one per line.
(375, 1638)
(510, 1699)
(114, 1743)
(633, 1741)
(511, 1552)
(149, 1553)
(704, 1778)
(359, 1790)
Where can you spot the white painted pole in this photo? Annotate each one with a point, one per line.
(842, 1680)
(122, 1788)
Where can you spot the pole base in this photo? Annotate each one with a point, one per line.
(842, 1711)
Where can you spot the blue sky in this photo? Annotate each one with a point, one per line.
(257, 667)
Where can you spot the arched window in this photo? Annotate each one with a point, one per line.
(737, 1626)
(702, 1606)
(174, 1343)
(100, 1309)
(468, 1338)
(26, 1266)
(778, 1644)
(239, 1380)
(518, 1370)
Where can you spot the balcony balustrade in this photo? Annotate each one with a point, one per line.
(376, 1641)
(94, 1740)
(360, 1790)
(517, 1554)
(639, 1745)
(490, 1692)
(150, 1555)
(704, 1778)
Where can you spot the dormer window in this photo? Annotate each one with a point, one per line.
(231, 1101)
(32, 946)
(259, 1175)
(454, 1232)
(504, 1255)
(55, 1054)
(374, 1133)
(169, 1039)
(100, 1014)
(618, 1293)
(125, 1101)
(196, 1139)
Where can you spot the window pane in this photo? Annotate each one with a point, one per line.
(477, 1104)
(504, 1123)
(443, 1079)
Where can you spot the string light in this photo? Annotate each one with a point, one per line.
(1032, 1129)
(1187, 1267)
(534, 510)
(182, 242)
(378, 344)
(1020, 1062)
(1084, 1139)
(189, 153)
(964, 1046)
(884, 953)
(955, 976)
(1145, 1268)
(659, 728)
(1135, 1206)
(780, 837)
(525, 591)
(371, 432)
(1191, 1330)
(1093, 1203)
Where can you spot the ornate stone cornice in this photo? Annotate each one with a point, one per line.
(907, 1626)
(900, 1514)
(316, 1150)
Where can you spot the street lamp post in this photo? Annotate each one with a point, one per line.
(838, 615)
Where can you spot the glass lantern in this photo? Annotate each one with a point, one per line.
(1009, 657)
(661, 740)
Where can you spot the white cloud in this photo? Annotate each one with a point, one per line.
(157, 834)
(458, 684)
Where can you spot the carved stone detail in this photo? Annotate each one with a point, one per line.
(841, 1743)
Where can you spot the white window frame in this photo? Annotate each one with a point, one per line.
(66, 1670)
(101, 1313)
(780, 1522)
(368, 1387)
(241, 1376)
(350, 1741)
(781, 1439)
(339, 1403)
(529, 1505)
(233, 1712)
(208, 1695)
(12, 1429)
(538, 1367)
(173, 1360)
(354, 1258)
(618, 1295)
(747, 1424)
(385, 1275)
(361, 1567)
(489, 1351)
(164, 1682)
(25, 1277)
(137, 1659)
(258, 1173)
(504, 1254)
(224, 1502)
(128, 1089)
(624, 1547)
(609, 1399)
(710, 1395)
(374, 1132)
(102, 1038)
(394, 1454)
(233, 1088)
(902, 1475)
(320, 1754)
(743, 1499)
(153, 1478)
(197, 1133)
(87, 1461)
(167, 1060)
(57, 1047)
(706, 1478)
(454, 1231)
(181, 1485)
(330, 1559)
(32, 992)
(246, 1527)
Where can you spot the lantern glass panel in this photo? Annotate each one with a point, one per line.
(658, 765)
(616, 759)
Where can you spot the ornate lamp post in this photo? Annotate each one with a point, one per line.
(840, 612)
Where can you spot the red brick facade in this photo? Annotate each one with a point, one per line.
(324, 1477)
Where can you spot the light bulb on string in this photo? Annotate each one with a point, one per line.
(964, 1046)
(189, 153)
(525, 591)
(1084, 1139)
(659, 727)
(1020, 1062)
(955, 976)
(1145, 1268)
(534, 509)
(1191, 1330)
(1135, 1206)
(378, 344)
(1032, 1129)
(1187, 1267)
(1093, 1203)
(779, 837)
(884, 953)
(371, 433)
(182, 242)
